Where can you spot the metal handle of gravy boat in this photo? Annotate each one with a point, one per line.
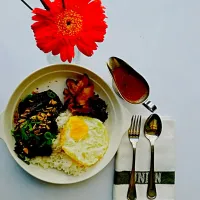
(149, 105)
(1, 126)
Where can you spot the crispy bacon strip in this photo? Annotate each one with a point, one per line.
(66, 91)
(72, 87)
(77, 95)
(67, 98)
(86, 93)
(71, 104)
(84, 82)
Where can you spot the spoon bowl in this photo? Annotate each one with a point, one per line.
(153, 127)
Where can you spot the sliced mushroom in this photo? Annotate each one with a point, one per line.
(23, 115)
(42, 114)
(21, 120)
(48, 114)
(53, 110)
(53, 102)
(33, 117)
(49, 108)
(37, 132)
(34, 127)
(27, 110)
(25, 150)
(40, 118)
(48, 128)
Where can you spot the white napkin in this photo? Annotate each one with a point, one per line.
(164, 164)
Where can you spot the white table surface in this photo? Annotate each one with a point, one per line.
(161, 39)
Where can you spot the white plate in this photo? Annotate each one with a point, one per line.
(54, 77)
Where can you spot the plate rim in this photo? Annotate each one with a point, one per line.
(13, 153)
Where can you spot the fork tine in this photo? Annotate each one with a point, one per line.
(136, 125)
(133, 124)
(139, 124)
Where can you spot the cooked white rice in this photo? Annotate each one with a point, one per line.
(58, 159)
(62, 118)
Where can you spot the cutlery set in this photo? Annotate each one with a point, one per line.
(152, 130)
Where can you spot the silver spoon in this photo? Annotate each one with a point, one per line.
(152, 130)
(112, 64)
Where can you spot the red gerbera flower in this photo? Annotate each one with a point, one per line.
(69, 23)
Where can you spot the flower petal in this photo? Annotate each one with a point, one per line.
(76, 5)
(67, 52)
(97, 36)
(42, 12)
(37, 25)
(47, 47)
(40, 18)
(56, 49)
(41, 32)
(86, 46)
(56, 6)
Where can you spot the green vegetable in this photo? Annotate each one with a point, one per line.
(49, 142)
(37, 137)
(30, 127)
(48, 135)
(43, 144)
(12, 132)
(32, 122)
(32, 135)
(27, 161)
(54, 136)
(51, 94)
(24, 135)
(27, 97)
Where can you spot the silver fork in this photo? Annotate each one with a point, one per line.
(133, 134)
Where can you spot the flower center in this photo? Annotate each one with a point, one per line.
(69, 23)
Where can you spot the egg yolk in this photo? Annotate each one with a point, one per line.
(78, 128)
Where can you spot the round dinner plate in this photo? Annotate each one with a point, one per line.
(54, 77)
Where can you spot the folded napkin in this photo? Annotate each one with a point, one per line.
(164, 164)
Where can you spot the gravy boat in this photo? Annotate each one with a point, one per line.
(112, 64)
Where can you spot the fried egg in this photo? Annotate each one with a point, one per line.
(84, 139)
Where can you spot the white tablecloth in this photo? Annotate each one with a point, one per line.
(160, 39)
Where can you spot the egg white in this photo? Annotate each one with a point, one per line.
(88, 150)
